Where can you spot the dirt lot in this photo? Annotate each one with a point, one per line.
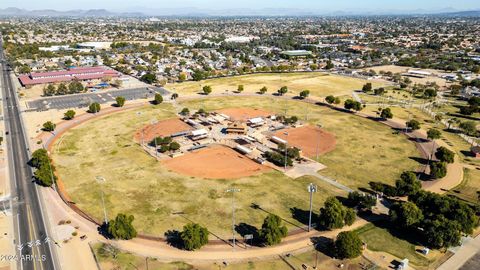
(216, 162)
(309, 139)
(398, 69)
(163, 129)
(243, 114)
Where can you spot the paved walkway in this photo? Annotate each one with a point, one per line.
(463, 254)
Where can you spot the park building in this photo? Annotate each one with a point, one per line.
(236, 128)
(80, 74)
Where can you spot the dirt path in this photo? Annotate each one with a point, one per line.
(225, 252)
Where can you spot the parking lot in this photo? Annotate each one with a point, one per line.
(83, 100)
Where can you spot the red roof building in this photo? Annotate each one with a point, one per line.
(81, 73)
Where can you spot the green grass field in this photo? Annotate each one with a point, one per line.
(381, 240)
(469, 189)
(460, 146)
(320, 84)
(137, 184)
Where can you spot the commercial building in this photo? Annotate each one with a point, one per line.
(296, 53)
(81, 74)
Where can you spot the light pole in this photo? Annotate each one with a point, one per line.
(101, 180)
(286, 151)
(311, 189)
(233, 190)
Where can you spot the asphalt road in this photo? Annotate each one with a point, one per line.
(32, 241)
(473, 263)
(83, 100)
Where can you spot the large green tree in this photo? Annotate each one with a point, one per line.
(334, 215)
(367, 87)
(442, 233)
(407, 184)
(405, 214)
(304, 94)
(413, 124)
(282, 91)
(352, 105)
(362, 201)
(445, 155)
(438, 169)
(194, 236)
(121, 227)
(148, 78)
(272, 230)
(386, 113)
(348, 245)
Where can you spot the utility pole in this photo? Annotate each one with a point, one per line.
(311, 189)
(233, 190)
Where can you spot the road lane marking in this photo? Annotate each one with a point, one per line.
(30, 232)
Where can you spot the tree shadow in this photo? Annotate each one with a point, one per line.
(302, 216)
(103, 230)
(422, 161)
(388, 190)
(382, 221)
(418, 140)
(258, 207)
(226, 241)
(467, 153)
(174, 239)
(324, 245)
(246, 229)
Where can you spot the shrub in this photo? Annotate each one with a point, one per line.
(49, 126)
(94, 107)
(69, 115)
(157, 99)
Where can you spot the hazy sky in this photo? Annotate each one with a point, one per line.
(327, 5)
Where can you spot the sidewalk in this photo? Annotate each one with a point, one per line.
(464, 253)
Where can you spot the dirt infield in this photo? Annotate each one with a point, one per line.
(215, 162)
(243, 114)
(163, 129)
(309, 139)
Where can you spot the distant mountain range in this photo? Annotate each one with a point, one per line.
(195, 12)
(11, 11)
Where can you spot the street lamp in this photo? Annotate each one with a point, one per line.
(101, 180)
(233, 190)
(311, 189)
